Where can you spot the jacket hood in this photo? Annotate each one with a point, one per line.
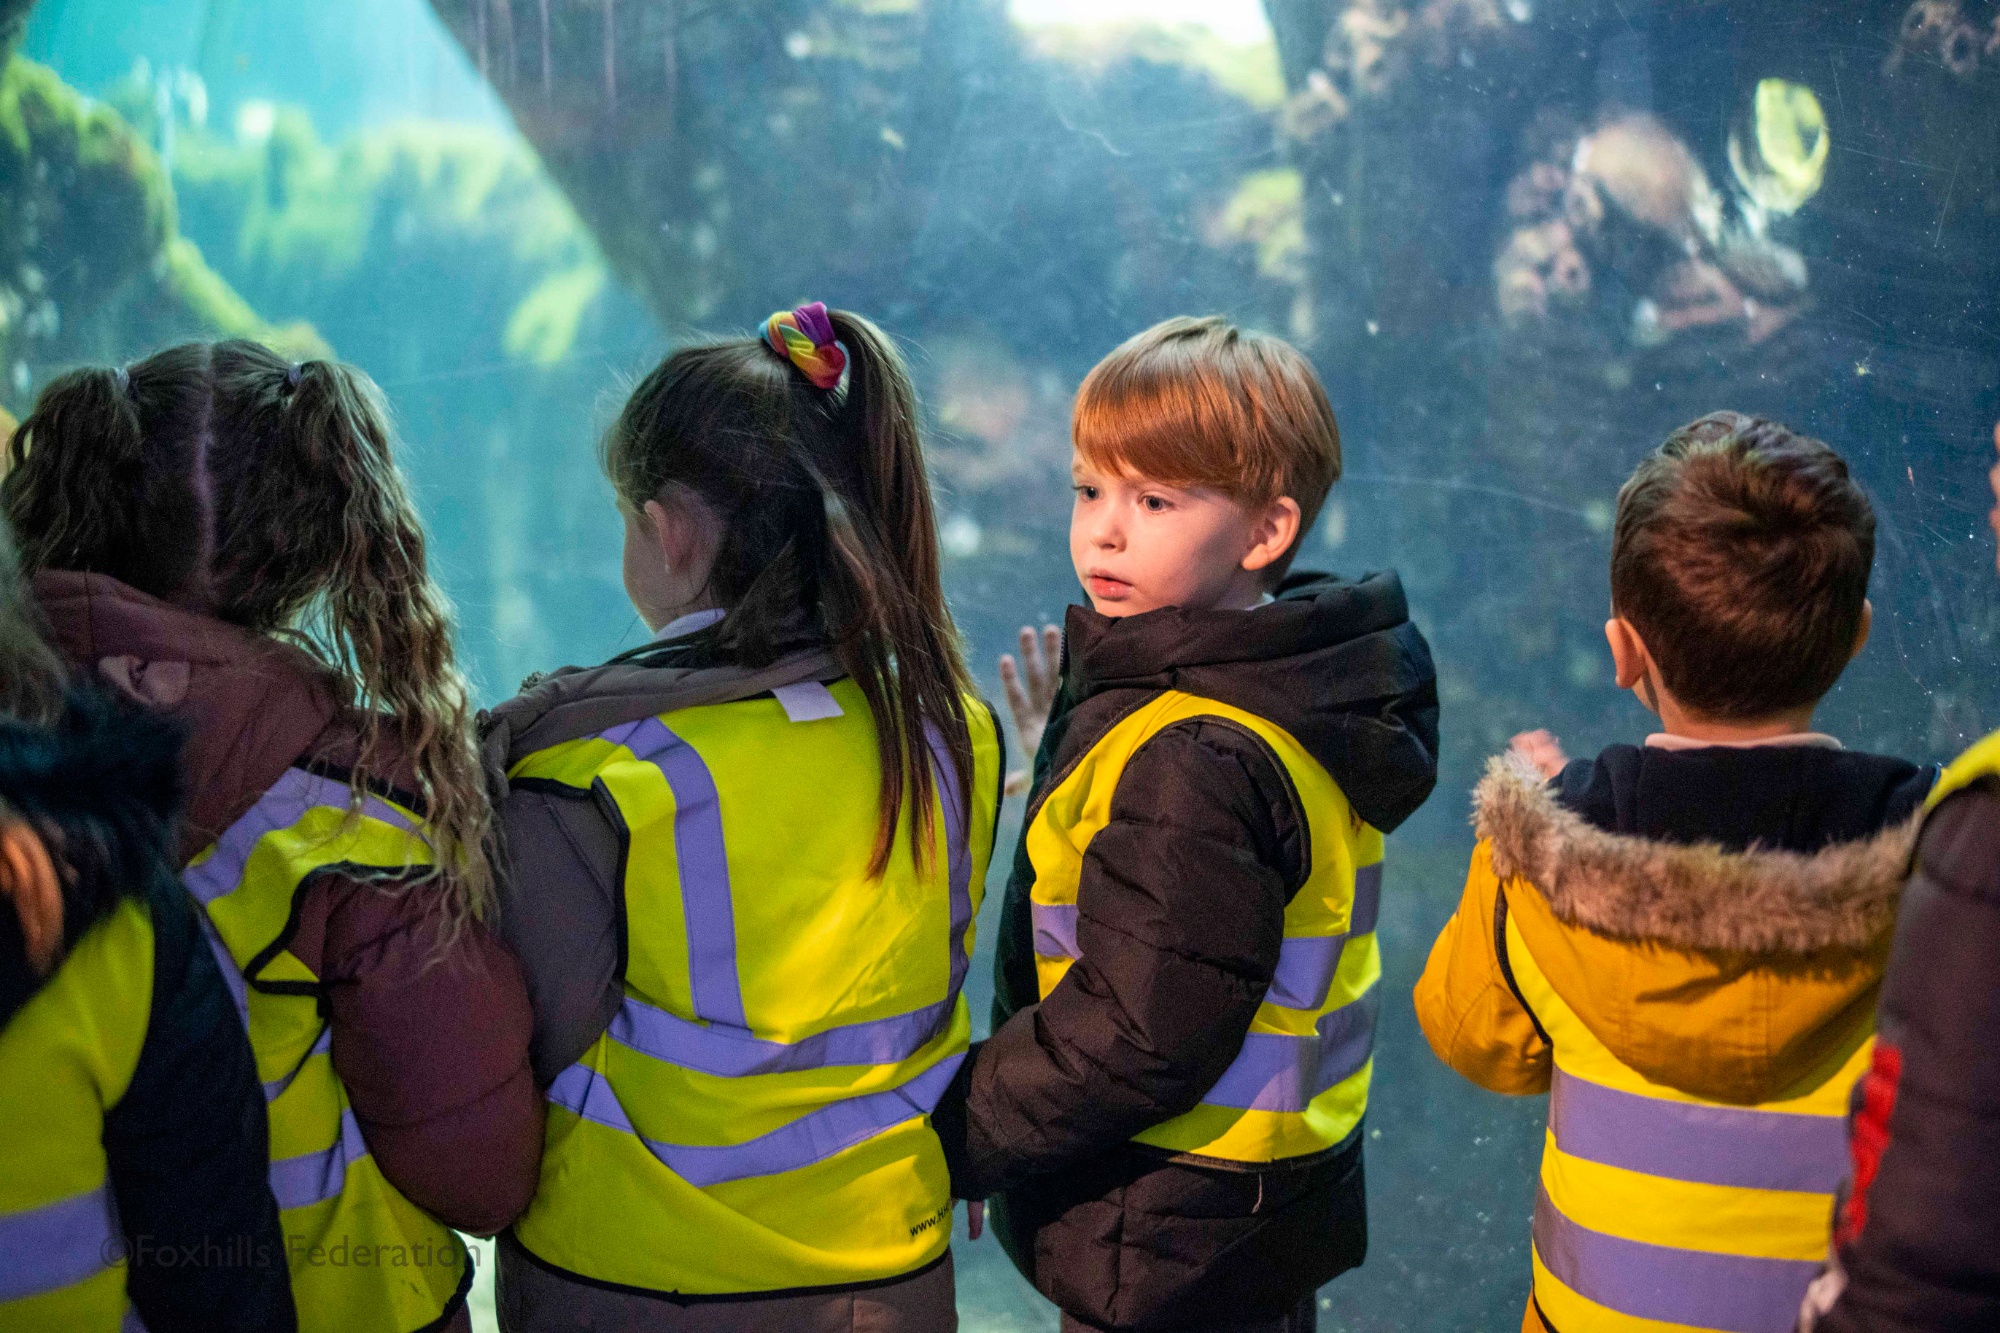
(1729, 974)
(1335, 662)
(251, 706)
(106, 780)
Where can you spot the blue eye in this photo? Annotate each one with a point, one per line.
(1087, 492)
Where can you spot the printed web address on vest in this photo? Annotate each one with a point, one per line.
(242, 1252)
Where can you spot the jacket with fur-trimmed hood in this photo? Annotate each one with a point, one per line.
(1718, 917)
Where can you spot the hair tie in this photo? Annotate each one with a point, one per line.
(292, 376)
(804, 337)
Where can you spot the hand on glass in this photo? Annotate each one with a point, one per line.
(1031, 687)
(1994, 477)
(1542, 750)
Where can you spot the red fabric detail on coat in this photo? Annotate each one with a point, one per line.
(1869, 1137)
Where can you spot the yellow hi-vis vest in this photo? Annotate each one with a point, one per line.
(65, 1059)
(362, 1257)
(1981, 761)
(756, 1118)
(1300, 1083)
(1659, 1211)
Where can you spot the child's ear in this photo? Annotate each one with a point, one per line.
(1629, 658)
(1277, 528)
(1867, 624)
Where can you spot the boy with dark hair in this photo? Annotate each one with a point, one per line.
(1170, 1107)
(1683, 941)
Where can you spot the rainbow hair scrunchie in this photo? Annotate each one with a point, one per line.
(804, 337)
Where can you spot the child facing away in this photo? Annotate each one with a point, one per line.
(1169, 1110)
(224, 536)
(744, 860)
(1917, 1234)
(1683, 940)
(134, 1127)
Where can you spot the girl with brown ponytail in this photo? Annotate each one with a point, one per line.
(743, 862)
(224, 536)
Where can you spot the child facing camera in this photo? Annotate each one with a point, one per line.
(1169, 1110)
(1683, 940)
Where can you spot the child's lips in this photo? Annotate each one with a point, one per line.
(1106, 587)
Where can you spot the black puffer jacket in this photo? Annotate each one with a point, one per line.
(1181, 912)
(1918, 1231)
(186, 1143)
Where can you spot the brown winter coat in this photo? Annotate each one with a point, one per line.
(447, 1104)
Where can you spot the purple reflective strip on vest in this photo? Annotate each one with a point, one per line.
(56, 1245)
(232, 975)
(131, 1323)
(958, 853)
(1055, 929)
(733, 1053)
(728, 1049)
(1709, 1145)
(275, 1088)
(1367, 900)
(811, 1138)
(317, 1176)
(1732, 1292)
(704, 867)
(1275, 1072)
(288, 800)
(1307, 963)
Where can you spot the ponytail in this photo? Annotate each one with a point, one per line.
(376, 616)
(828, 529)
(225, 479)
(899, 644)
(31, 674)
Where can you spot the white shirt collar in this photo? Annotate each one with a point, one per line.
(688, 624)
(1817, 740)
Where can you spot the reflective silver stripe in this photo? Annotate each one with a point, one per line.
(812, 1137)
(1712, 1145)
(315, 1177)
(275, 1088)
(729, 1049)
(1306, 963)
(734, 1053)
(1276, 1072)
(1735, 1293)
(57, 1245)
(703, 860)
(287, 802)
(291, 797)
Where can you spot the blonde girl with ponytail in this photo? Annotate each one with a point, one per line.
(224, 536)
(743, 862)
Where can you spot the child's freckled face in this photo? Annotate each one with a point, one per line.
(1139, 545)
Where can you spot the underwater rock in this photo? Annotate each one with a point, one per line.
(90, 263)
(1635, 200)
(1939, 32)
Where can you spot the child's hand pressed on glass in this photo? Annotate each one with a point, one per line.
(1031, 687)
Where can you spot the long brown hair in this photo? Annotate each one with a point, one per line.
(31, 674)
(827, 530)
(223, 478)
